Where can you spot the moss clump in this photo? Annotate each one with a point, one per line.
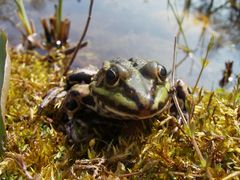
(30, 139)
(156, 149)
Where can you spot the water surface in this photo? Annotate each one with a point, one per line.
(134, 28)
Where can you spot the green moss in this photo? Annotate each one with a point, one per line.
(156, 149)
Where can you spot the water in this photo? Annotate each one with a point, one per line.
(134, 28)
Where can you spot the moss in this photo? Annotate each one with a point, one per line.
(156, 149)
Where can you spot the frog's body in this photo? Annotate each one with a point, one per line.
(122, 89)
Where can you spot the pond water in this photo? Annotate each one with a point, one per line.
(135, 28)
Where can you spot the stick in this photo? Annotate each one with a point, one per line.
(194, 142)
(81, 39)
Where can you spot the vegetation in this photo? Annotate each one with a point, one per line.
(163, 150)
(206, 146)
(28, 26)
(56, 30)
(4, 82)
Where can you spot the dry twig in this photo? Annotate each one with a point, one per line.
(194, 142)
(82, 37)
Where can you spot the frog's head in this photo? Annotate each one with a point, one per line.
(130, 89)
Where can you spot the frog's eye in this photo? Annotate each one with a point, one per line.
(112, 76)
(154, 70)
(162, 72)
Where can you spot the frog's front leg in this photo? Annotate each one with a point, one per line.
(51, 101)
(183, 94)
(71, 113)
(73, 101)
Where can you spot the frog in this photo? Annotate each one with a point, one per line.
(123, 89)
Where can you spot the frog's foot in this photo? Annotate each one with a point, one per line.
(51, 101)
(72, 102)
(77, 131)
(183, 94)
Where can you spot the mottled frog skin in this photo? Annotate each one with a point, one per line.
(123, 89)
(130, 89)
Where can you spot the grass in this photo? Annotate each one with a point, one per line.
(156, 150)
(4, 79)
(206, 146)
(22, 15)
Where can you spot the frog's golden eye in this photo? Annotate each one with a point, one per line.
(112, 76)
(162, 72)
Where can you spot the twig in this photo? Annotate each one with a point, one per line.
(18, 159)
(194, 142)
(220, 7)
(232, 175)
(174, 59)
(82, 37)
(172, 83)
(129, 174)
(179, 63)
(72, 49)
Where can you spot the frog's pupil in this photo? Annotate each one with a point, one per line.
(112, 76)
(162, 73)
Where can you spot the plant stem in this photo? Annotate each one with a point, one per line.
(23, 16)
(4, 80)
(210, 45)
(193, 140)
(60, 10)
(59, 18)
(179, 21)
(82, 37)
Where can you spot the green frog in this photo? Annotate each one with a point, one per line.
(121, 94)
(123, 89)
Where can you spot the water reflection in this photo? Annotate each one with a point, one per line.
(145, 29)
(37, 4)
(224, 17)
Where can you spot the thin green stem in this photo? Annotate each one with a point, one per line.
(201, 71)
(179, 21)
(204, 62)
(60, 10)
(23, 16)
(59, 17)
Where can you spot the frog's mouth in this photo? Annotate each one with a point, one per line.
(108, 108)
(129, 104)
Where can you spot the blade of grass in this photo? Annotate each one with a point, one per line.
(4, 81)
(204, 62)
(179, 21)
(23, 17)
